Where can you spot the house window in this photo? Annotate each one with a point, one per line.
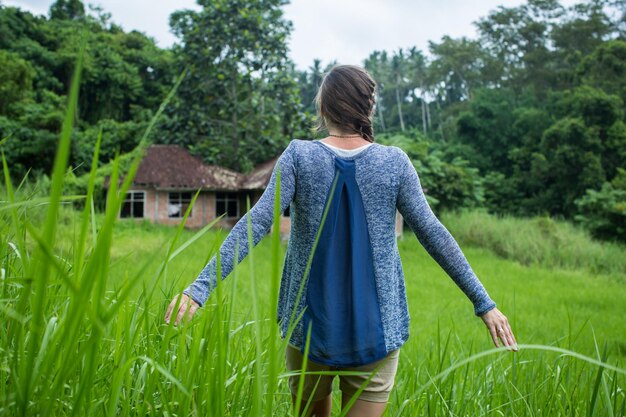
(227, 203)
(177, 204)
(133, 205)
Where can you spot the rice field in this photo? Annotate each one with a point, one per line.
(83, 297)
(103, 348)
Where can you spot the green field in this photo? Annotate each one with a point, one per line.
(135, 365)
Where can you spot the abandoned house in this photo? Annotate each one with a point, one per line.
(168, 176)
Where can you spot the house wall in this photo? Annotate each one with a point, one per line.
(195, 220)
(203, 211)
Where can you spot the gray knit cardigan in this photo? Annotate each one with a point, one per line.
(388, 181)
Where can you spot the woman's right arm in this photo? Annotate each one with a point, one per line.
(261, 218)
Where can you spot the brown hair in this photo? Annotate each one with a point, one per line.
(346, 99)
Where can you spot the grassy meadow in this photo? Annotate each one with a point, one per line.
(123, 360)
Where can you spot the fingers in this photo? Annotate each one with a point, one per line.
(494, 336)
(186, 307)
(503, 336)
(511, 337)
(190, 309)
(499, 328)
(168, 313)
(506, 335)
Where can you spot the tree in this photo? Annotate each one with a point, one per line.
(16, 80)
(572, 164)
(460, 66)
(67, 10)
(605, 68)
(486, 127)
(603, 211)
(235, 104)
(518, 38)
(417, 75)
(377, 65)
(399, 82)
(125, 78)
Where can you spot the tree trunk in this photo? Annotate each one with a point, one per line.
(430, 122)
(380, 113)
(443, 135)
(234, 120)
(424, 127)
(399, 105)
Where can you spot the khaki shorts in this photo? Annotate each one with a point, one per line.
(377, 390)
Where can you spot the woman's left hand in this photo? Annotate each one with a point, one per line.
(498, 326)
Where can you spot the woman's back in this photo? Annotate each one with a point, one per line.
(376, 173)
(343, 295)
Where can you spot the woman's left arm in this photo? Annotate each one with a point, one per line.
(444, 249)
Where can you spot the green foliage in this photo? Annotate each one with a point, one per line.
(605, 68)
(462, 65)
(121, 359)
(16, 80)
(535, 103)
(117, 137)
(603, 211)
(501, 194)
(486, 127)
(83, 301)
(580, 150)
(125, 78)
(26, 147)
(568, 164)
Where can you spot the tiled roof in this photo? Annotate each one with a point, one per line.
(172, 166)
(260, 176)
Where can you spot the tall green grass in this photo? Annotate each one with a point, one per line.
(536, 241)
(83, 298)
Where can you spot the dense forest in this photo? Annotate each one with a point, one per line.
(528, 118)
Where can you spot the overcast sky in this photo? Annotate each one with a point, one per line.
(345, 30)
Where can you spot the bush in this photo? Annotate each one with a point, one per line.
(603, 212)
(539, 240)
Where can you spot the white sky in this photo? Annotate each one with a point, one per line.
(345, 30)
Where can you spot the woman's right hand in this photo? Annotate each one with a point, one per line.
(498, 326)
(186, 305)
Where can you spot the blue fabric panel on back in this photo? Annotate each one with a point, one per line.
(342, 301)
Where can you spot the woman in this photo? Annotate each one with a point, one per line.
(346, 189)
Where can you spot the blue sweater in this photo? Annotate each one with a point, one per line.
(387, 181)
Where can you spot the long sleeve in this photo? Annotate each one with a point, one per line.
(262, 217)
(436, 239)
